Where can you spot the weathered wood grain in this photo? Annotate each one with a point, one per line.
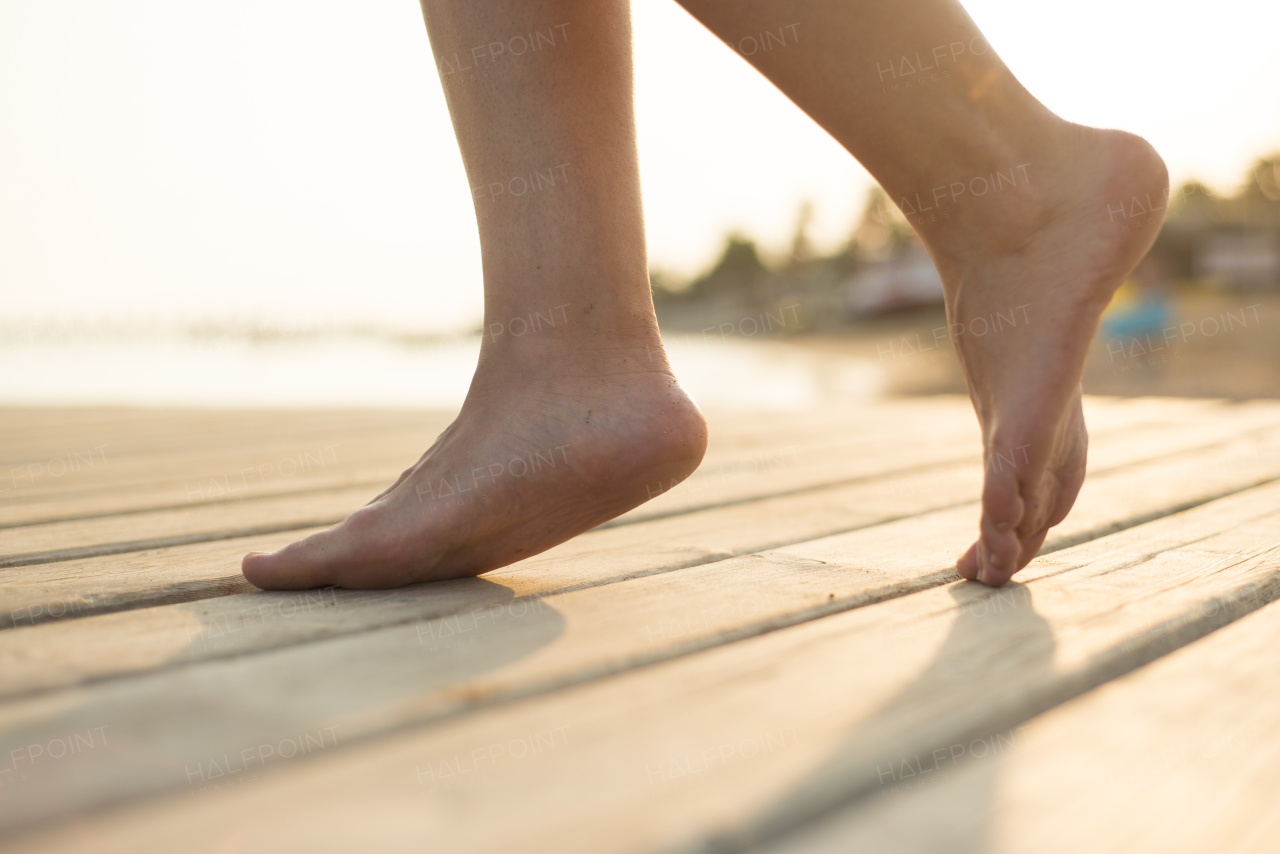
(104, 479)
(161, 459)
(580, 641)
(1180, 756)
(381, 680)
(56, 653)
(77, 588)
(811, 715)
(778, 471)
(911, 443)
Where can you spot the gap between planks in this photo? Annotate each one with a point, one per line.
(58, 654)
(107, 535)
(930, 670)
(363, 461)
(27, 545)
(100, 585)
(270, 696)
(1180, 756)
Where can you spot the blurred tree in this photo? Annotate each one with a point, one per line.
(801, 247)
(665, 286)
(1258, 205)
(882, 231)
(737, 272)
(1196, 215)
(1264, 179)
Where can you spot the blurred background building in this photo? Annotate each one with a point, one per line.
(1198, 316)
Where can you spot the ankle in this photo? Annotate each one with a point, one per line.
(1005, 209)
(1075, 179)
(586, 350)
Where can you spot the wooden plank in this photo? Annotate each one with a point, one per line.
(623, 764)
(78, 588)
(54, 654)
(256, 473)
(170, 722)
(72, 589)
(58, 541)
(1179, 756)
(179, 469)
(26, 427)
(98, 481)
(268, 460)
(778, 470)
(157, 436)
(139, 445)
(165, 447)
(101, 479)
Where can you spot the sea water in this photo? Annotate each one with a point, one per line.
(175, 367)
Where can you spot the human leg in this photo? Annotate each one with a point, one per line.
(573, 415)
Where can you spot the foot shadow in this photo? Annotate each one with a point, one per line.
(188, 729)
(996, 630)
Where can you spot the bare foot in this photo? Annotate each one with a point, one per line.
(546, 446)
(1027, 274)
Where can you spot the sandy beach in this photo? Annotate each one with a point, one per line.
(1200, 353)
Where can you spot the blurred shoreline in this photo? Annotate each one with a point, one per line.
(336, 368)
(1211, 344)
(803, 330)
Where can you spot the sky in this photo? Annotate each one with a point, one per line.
(289, 163)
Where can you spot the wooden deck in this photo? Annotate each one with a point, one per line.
(774, 656)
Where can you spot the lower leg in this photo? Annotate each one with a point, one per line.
(573, 416)
(1014, 204)
(548, 140)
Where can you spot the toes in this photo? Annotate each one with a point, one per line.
(995, 565)
(967, 563)
(993, 558)
(271, 571)
(1030, 547)
(297, 566)
(260, 569)
(1001, 502)
(998, 553)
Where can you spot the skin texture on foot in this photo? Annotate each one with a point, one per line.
(568, 423)
(1025, 298)
(1012, 202)
(1027, 269)
(535, 457)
